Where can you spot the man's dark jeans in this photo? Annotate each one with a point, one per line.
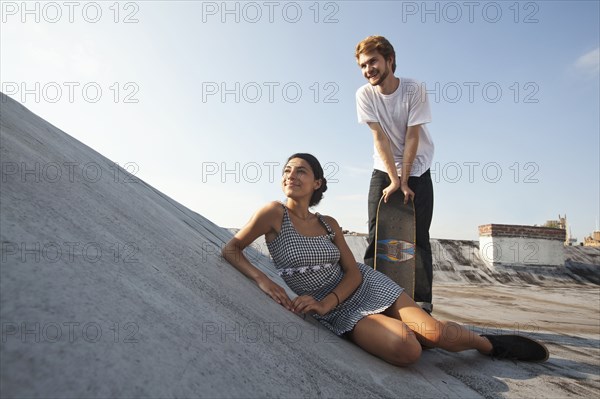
(423, 189)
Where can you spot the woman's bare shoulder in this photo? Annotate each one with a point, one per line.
(265, 221)
(331, 222)
(273, 208)
(271, 214)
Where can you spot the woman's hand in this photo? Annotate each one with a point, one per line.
(305, 304)
(275, 291)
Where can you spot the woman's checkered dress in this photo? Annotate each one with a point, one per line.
(310, 266)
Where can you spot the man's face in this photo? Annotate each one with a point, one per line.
(374, 67)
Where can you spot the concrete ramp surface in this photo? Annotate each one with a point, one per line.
(109, 288)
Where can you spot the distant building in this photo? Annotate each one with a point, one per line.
(514, 245)
(561, 223)
(593, 240)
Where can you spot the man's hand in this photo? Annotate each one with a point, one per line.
(408, 193)
(389, 190)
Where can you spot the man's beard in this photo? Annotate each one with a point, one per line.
(380, 78)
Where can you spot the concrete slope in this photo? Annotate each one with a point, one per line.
(109, 288)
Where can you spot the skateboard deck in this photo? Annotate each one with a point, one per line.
(395, 243)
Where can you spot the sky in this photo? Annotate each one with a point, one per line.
(206, 100)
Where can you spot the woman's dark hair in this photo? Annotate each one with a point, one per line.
(317, 171)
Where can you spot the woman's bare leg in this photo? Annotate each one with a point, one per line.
(434, 333)
(387, 338)
(397, 334)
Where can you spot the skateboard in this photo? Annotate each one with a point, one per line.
(395, 243)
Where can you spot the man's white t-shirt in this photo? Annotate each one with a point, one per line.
(407, 106)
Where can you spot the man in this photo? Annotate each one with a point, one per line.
(396, 110)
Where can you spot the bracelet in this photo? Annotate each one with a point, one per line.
(336, 297)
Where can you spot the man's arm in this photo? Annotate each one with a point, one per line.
(382, 145)
(411, 143)
(383, 148)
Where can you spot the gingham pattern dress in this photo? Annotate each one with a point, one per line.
(310, 266)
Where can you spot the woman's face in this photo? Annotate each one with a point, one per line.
(298, 179)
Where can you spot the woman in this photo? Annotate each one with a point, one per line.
(350, 298)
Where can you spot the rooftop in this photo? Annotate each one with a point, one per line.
(109, 288)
